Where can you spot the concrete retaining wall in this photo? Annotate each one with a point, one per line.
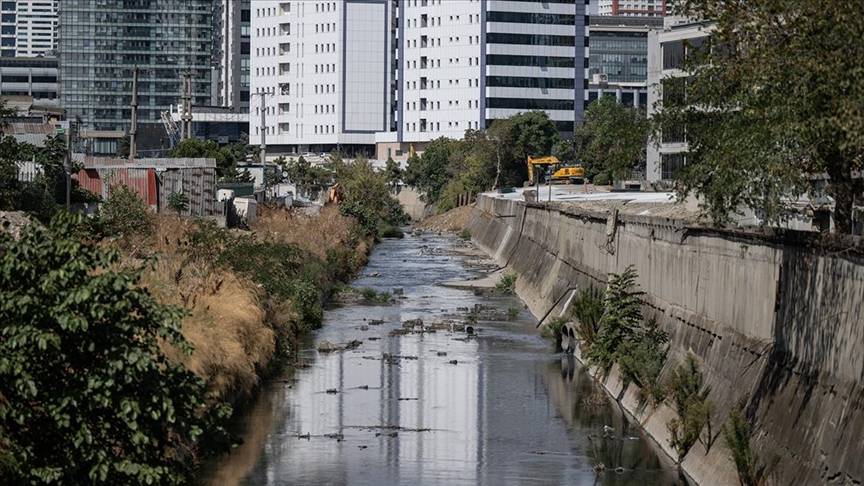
(775, 322)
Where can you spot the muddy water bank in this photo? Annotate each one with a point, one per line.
(413, 406)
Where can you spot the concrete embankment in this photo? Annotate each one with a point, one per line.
(774, 321)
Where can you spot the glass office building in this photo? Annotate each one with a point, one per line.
(101, 41)
(619, 47)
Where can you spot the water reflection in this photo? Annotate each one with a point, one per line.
(438, 407)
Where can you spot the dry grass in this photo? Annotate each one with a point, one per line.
(226, 324)
(315, 234)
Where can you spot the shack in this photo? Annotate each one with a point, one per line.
(154, 180)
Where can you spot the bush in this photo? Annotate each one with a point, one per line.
(124, 214)
(390, 231)
(88, 397)
(507, 284)
(622, 336)
(691, 403)
(601, 179)
(178, 202)
(465, 234)
(621, 320)
(736, 432)
(371, 296)
(588, 309)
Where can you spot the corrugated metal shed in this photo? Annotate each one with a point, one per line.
(154, 180)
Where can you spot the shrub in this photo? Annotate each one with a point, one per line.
(390, 231)
(507, 284)
(124, 214)
(621, 320)
(601, 179)
(588, 309)
(88, 395)
(372, 296)
(736, 432)
(692, 405)
(641, 360)
(178, 202)
(465, 234)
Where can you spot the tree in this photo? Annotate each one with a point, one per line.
(612, 139)
(429, 172)
(393, 172)
(124, 214)
(773, 99)
(366, 195)
(86, 394)
(227, 156)
(530, 133)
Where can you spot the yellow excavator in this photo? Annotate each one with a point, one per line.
(574, 174)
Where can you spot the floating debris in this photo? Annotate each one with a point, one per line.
(376, 322)
(453, 362)
(326, 347)
(331, 391)
(442, 353)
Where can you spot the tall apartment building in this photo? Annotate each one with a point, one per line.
(231, 47)
(102, 41)
(397, 73)
(667, 50)
(28, 28)
(319, 73)
(642, 8)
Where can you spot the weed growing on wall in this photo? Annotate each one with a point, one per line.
(588, 309)
(736, 433)
(623, 336)
(507, 284)
(690, 396)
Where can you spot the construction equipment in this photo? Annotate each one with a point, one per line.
(572, 173)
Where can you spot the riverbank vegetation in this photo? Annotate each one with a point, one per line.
(127, 336)
(482, 160)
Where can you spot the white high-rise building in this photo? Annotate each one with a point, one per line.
(29, 28)
(321, 80)
(399, 73)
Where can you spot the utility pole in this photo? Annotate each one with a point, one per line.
(263, 128)
(133, 130)
(186, 116)
(68, 166)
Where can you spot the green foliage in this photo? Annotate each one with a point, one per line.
(588, 309)
(612, 139)
(178, 202)
(366, 196)
(529, 133)
(554, 328)
(513, 313)
(372, 296)
(622, 336)
(43, 195)
(692, 405)
(390, 231)
(227, 157)
(760, 115)
(483, 160)
(124, 214)
(737, 432)
(286, 273)
(507, 284)
(88, 397)
(465, 234)
(621, 320)
(601, 179)
(394, 173)
(429, 173)
(305, 175)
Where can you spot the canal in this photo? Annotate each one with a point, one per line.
(435, 404)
